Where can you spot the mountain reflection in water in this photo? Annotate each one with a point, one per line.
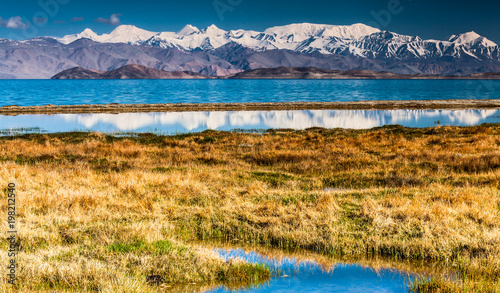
(187, 122)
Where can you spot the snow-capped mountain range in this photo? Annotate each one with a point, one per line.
(357, 40)
(215, 51)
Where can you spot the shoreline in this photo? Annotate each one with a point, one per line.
(287, 106)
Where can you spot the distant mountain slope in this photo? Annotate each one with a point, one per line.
(132, 71)
(215, 52)
(45, 57)
(318, 73)
(135, 71)
(79, 73)
(313, 73)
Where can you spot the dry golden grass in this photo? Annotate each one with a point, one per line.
(104, 213)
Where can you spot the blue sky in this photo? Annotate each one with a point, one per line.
(428, 19)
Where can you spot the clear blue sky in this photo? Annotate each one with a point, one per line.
(428, 19)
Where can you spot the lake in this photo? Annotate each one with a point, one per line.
(295, 276)
(74, 92)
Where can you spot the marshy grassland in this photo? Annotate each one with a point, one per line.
(104, 213)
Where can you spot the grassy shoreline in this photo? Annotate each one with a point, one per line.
(89, 202)
(186, 107)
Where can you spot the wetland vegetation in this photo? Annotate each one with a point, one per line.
(127, 214)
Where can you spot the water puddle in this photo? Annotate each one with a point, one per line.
(307, 275)
(191, 122)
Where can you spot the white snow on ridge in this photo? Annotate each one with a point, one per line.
(188, 30)
(356, 40)
(306, 30)
(122, 34)
(471, 39)
(190, 37)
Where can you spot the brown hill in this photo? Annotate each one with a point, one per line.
(79, 73)
(135, 71)
(317, 73)
(132, 71)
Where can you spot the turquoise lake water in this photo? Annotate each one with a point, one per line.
(74, 92)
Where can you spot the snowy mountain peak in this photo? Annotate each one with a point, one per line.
(187, 30)
(88, 32)
(127, 34)
(471, 39)
(357, 40)
(464, 37)
(122, 34)
(213, 30)
(354, 31)
(124, 29)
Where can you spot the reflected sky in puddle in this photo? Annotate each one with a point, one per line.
(185, 122)
(309, 276)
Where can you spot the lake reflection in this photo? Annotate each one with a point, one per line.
(187, 122)
(309, 276)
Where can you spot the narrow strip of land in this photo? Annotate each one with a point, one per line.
(149, 108)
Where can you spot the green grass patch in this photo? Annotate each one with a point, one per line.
(139, 246)
(168, 169)
(245, 273)
(428, 285)
(349, 181)
(25, 160)
(204, 140)
(273, 179)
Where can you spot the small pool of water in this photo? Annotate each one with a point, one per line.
(309, 276)
(190, 122)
